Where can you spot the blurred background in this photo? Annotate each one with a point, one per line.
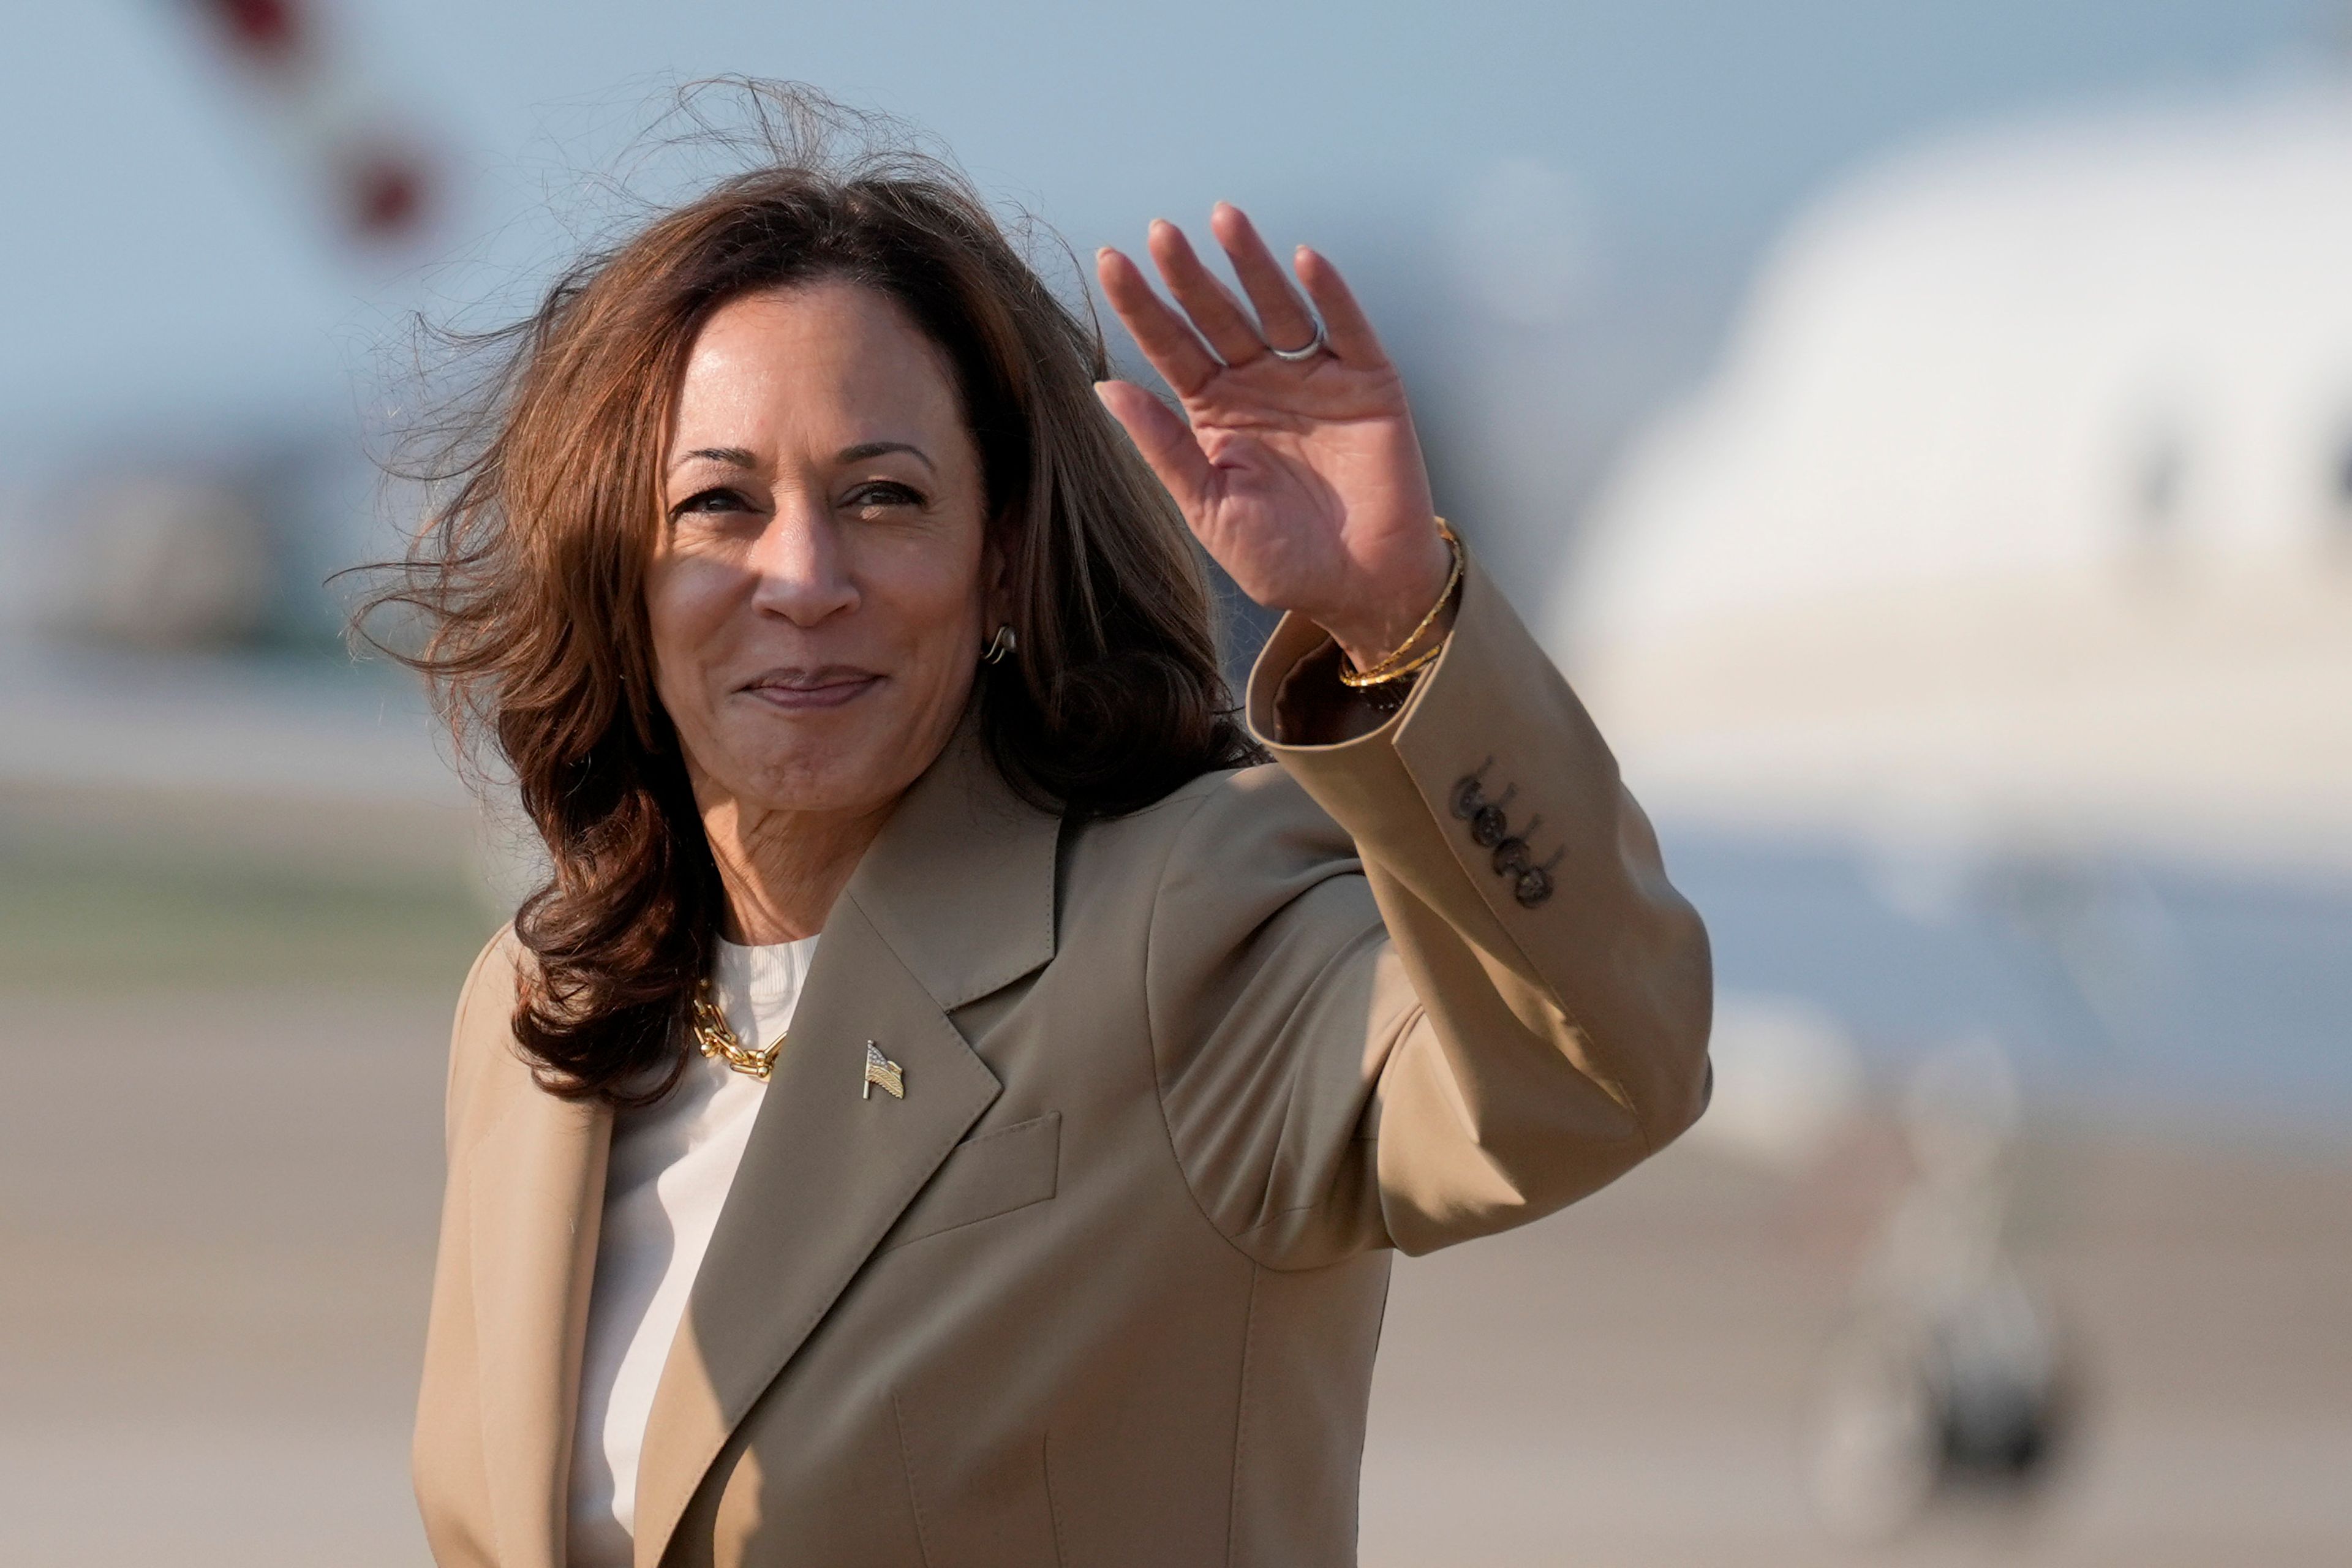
(1924, 432)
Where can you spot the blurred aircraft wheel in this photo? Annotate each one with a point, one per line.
(1922, 1403)
(2003, 1399)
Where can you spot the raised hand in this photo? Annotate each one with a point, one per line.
(1304, 479)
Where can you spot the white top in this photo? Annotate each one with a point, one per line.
(671, 1165)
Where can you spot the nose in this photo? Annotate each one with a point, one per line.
(799, 568)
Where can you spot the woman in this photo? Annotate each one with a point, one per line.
(953, 1100)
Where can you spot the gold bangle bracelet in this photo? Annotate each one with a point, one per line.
(1403, 661)
(1387, 674)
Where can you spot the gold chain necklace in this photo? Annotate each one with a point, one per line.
(720, 1043)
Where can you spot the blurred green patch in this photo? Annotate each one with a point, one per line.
(75, 918)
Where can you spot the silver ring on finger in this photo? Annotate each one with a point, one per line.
(1315, 345)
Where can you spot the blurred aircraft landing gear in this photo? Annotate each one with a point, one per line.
(1949, 1383)
(1964, 1402)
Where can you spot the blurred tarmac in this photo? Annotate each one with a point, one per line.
(1628, 1382)
(219, 1211)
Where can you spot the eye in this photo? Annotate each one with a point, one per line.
(877, 493)
(720, 499)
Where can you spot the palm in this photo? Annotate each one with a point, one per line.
(1304, 479)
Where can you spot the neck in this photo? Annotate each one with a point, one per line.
(782, 870)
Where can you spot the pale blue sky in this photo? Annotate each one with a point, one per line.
(158, 266)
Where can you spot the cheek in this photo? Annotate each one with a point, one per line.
(954, 596)
(686, 600)
(935, 595)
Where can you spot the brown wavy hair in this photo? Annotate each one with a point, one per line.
(525, 585)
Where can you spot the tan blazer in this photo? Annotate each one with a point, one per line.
(1105, 1287)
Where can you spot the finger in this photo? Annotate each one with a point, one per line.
(1214, 311)
(1166, 442)
(1344, 323)
(1281, 313)
(1174, 350)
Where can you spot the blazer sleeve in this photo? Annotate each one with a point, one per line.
(1426, 982)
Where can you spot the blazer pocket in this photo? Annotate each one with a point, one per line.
(982, 1177)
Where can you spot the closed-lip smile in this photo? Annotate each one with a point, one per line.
(799, 691)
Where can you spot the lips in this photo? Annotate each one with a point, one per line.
(799, 691)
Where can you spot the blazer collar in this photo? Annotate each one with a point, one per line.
(954, 900)
(960, 881)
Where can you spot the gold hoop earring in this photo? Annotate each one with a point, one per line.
(1000, 646)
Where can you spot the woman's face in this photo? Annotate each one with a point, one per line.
(823, 571)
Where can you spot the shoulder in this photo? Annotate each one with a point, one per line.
(1215, 867)
(491, 984)
(1235, 824)
(482, 1035)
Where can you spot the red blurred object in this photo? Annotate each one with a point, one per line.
(368, 167)
(387, 191)
(269, 30)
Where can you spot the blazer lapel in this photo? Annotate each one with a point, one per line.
(536, 1190)
(954, 899)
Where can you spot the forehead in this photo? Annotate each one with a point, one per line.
(829, 362)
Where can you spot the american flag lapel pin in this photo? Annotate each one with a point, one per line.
(881, 1069)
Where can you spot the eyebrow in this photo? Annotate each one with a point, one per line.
(866, 449)
(733, 457)
(742, 458)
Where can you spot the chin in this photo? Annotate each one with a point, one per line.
(851, 773)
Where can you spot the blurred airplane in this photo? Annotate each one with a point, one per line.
(1984, 628)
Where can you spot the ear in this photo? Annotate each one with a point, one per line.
(995, 579)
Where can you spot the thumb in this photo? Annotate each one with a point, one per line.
(1165, 441)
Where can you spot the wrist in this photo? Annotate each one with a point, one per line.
(1406, 622)
(1367, 652)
